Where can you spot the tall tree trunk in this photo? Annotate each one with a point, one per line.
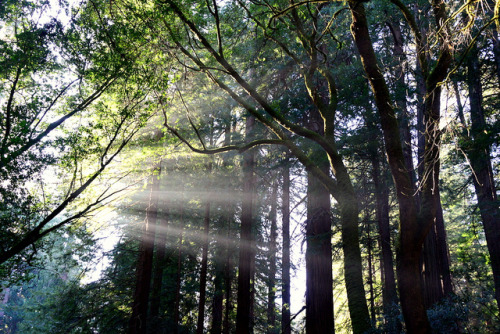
(319, 281)
(348, 204)
(203, 273)
(177, 302)
(436, 272)
(412, 232)
(401, 98)
(443, 253)
(217, 303)
(285, 271)
(380, 181)
(319, 278)
(389, 293)
(224, 250)
(246, 251)
(159, 266)
(371, 275)
(228, 278)
(138, 320)
(479, 157)
(271, 282)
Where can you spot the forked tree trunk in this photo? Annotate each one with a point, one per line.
(411, 232)
(138, 319)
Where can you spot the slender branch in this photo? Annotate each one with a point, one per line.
(410, 19)
(239, 148)
(8, 116)
(37, 233)
(5, 160)
(191, 121)
(295, 5)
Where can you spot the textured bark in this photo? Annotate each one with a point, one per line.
(432, 288)
(271, 281)
(436, 263)
(479, 157)
(138, 319)
(319, 293)
(285, 283)
(246, 251)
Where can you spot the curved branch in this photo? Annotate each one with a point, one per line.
(239, 148)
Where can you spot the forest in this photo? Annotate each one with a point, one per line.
(249, 166)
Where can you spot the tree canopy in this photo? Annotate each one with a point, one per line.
(228, 145)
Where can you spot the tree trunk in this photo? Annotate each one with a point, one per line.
(217, 304)
(382, 198)
(401, 98)
(380, 181)
(319, 289)
(159, 266)
(246, 251)
(228, 278)
(271, 282)
(412, 232)
(203, 273)
(177, 302)
(371, 275)
(348, 204)
(479, 157)
(138, 320)
(285, 271)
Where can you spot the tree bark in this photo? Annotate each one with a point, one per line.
(319, 289)
(203, 273)
(217, 304)
(178, 280)
(285, 284)
(228, 278)
(412, 233)
(159, 266)
(271, 283)
(138, 320)
(246, 251)
(479, 156)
